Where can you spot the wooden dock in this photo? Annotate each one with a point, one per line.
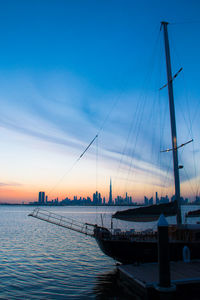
(142, 279)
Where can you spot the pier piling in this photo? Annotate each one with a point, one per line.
(164, 286)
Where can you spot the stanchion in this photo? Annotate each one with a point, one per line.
(164, 287)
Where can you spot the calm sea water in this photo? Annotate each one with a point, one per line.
(39, 260)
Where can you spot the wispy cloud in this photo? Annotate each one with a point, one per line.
(10, 184)
(65, 111)
(43, 136)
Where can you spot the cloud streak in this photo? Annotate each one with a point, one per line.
(9, 184)
(70, 116)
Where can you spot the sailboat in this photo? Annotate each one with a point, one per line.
(142, 247)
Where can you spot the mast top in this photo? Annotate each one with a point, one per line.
(163, 22)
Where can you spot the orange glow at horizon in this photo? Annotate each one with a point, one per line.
(26, 194)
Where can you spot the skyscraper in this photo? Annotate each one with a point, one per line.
(41, 197)
(157, 199)
(110, 194)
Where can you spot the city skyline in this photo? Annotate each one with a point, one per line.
(98, 199)
(71, 71)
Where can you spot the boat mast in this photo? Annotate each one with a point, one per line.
(173, 121)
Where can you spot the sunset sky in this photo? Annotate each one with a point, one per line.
(71, 69)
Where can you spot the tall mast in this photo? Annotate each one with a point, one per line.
(173, 121)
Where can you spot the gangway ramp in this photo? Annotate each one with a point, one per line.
(41, 214)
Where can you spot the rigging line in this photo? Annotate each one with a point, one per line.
(82, 154)
(189, 126)
(135, 121)
(127, 140)
(190, 119)
(97, 178)
(153, 116)
(190, 133)
(167, 180)
(188, 179)
(97, 156)
(195, 169)
(139, 119)
(186, 22)
(137, 131)
(163, 112)
(165, 175)
(187, 117)
(196, 112)
(185, 84)
(108, 114)
(73, 165)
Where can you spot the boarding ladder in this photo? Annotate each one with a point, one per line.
(41, 214)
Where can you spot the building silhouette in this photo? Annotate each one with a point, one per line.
(97, 199)
(41, 197)
(157, 199)
(110, 201)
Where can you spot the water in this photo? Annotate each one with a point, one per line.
(39, 260)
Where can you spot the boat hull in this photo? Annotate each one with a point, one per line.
(126, 251)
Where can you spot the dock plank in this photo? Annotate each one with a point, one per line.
(147, 274)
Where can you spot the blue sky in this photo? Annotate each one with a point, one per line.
(65, 66)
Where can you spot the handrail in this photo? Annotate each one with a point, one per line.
(62, 221)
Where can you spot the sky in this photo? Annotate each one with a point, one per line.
(70, 70)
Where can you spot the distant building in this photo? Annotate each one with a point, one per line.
(197, 200)
(97, 199)
(186, 200)
(146, 201)
(41, 197)
(110, 201)
(164, 199)
(173, 198)
(157, 199)
(123, 201)
(151, 201)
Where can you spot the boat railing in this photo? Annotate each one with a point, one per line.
(62, 221)
(147, 235)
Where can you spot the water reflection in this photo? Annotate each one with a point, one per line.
(43, 261)
(107, 286)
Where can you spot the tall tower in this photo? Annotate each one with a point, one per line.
(110, 194)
